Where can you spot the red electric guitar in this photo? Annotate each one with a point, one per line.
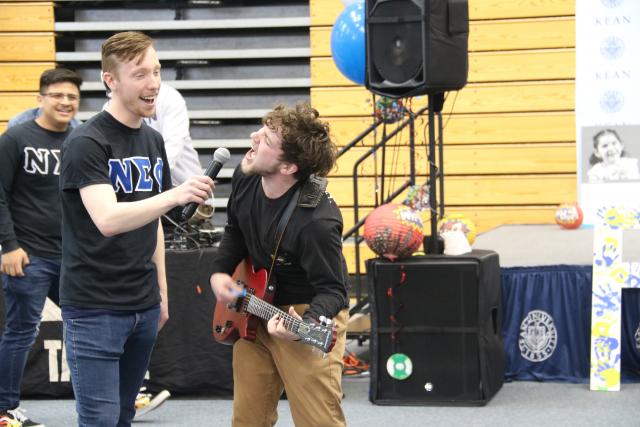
(240, 319)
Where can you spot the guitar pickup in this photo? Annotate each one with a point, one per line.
(221, 329)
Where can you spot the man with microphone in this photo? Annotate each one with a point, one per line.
(115, 183)
(220, 157)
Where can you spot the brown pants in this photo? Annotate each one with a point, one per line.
(264, 367)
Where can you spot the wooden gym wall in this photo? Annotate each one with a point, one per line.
(510, 133)
(509, 136)
(27, 48)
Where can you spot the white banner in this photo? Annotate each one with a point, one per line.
(607, 103)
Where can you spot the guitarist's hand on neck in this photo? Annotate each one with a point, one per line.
(276, 326)
(225, 288)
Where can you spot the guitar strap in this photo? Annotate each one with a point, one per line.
(282, 225)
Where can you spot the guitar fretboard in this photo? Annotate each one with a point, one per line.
(266, 311)
(319, 335)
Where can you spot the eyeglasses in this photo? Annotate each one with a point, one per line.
(60, 96)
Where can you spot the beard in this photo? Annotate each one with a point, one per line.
(249, 167)
(246, 168)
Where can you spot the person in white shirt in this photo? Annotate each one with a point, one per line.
(609, 160)
(172, 121)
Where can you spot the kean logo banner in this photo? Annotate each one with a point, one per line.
(607, 103)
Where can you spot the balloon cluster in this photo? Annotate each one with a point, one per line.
(455, 222)
(418, 197)
(389, 110)
(347, 42)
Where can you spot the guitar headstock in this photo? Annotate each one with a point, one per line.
(319, 335)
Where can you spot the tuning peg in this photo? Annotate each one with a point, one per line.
(324, 320)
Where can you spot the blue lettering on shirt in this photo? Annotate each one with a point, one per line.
(122, 176)
(157, 172)
(144, 172)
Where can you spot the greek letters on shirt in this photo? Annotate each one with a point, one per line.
(41, 161)
(123, 178)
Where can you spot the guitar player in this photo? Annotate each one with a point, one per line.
(289, 156)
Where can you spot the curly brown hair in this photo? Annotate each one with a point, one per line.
(306, 140)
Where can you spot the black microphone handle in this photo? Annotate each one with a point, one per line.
(212, 171)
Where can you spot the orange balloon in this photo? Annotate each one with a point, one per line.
(393, 231)
(569, 215)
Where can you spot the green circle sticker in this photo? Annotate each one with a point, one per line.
(399, 366)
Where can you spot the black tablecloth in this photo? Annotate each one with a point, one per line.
(186, 358)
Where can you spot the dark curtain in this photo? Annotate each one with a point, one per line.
(563, 293)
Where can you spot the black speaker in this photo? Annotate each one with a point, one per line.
(416, 47)
(436, 336)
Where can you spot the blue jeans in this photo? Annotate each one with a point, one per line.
(24, 299)
(108, 355)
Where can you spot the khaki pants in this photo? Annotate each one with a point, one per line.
(264, 367)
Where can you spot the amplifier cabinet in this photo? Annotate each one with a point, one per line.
(436, 334)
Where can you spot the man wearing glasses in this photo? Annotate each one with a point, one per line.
(30, 227)
(34, 113)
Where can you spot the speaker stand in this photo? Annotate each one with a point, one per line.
(436, 172)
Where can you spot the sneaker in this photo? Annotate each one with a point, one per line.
(147, 402)
(8, 420)
(17, 418)
(353, 366)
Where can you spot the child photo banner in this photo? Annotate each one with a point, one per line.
(607, 103)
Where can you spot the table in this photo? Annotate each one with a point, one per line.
(186, 359)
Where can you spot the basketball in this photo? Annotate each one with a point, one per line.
(393, 231)
(458, 221)
(569, 215)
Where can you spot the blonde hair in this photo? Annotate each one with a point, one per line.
(123, 47)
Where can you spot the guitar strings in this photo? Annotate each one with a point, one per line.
(267, 311)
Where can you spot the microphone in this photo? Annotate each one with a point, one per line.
(220, 157)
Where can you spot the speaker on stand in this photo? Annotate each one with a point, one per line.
(418, 47)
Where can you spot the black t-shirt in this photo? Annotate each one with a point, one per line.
(30, 206)
(110, 272)
(310, 267)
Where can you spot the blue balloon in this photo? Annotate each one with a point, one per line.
(347, 42)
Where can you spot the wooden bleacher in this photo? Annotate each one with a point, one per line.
(231, 62)
(26, 49)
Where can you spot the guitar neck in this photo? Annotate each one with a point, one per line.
(266, 311)
(320, 336)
